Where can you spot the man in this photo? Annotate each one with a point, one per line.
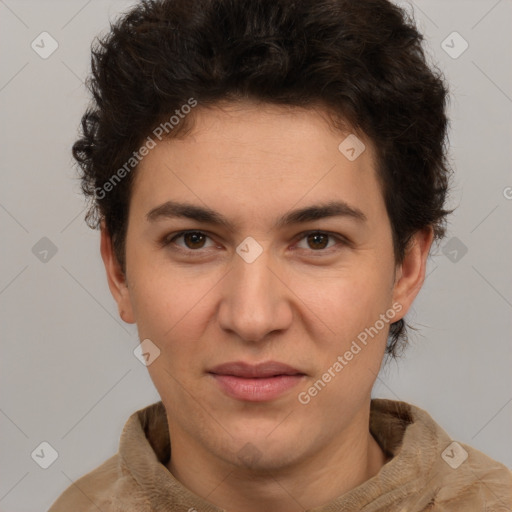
(269, 177)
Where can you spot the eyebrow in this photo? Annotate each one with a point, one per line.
(174, 209)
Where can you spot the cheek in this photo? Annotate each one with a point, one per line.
(164, 297)
(153, 305)
(172, 316)
(349, 358)
(348, 299)
(164, 315)
(173, 310)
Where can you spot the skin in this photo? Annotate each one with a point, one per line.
(301, 302)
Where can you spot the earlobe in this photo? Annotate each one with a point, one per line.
(115, 276)
(410, 274)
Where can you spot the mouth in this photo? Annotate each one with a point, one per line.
(256, 383)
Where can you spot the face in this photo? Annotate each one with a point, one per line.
(254, 239)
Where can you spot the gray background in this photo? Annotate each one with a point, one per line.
(69, 376)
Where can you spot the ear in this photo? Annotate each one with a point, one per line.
(115, 277)
(410, 274)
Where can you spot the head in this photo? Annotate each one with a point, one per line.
(301, 146)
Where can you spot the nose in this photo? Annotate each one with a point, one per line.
(255, 301)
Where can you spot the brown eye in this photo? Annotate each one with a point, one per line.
(318, 241)
(321, 242)
(191, 241)
(194, 240)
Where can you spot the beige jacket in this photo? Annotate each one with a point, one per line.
(428, 471)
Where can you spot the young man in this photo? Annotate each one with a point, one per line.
(269, 176)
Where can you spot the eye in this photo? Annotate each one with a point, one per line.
(192, 240)
(319, 240)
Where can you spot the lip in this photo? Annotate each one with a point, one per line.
(255, 371)
(256, 383)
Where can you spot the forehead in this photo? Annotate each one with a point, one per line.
(260, 158)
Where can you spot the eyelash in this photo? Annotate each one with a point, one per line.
(167, 240)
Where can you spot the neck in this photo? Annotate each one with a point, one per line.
(343, 464)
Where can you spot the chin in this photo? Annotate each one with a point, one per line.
(258, 459)
(257, 450)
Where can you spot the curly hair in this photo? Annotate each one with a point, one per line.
(361, 59)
